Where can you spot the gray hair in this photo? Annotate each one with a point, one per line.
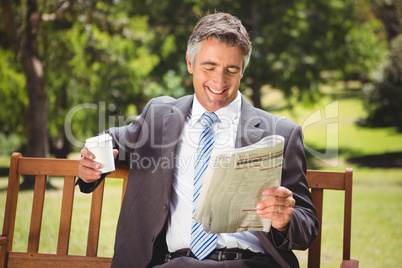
(223, 28)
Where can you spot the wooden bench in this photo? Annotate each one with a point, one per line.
(331, 180)
(41, 168)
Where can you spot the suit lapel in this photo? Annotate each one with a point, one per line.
(248, 131)
(172, 126)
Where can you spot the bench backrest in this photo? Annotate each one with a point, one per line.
(331, 180)
(41, 168)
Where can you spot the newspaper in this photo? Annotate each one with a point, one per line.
(233, 186)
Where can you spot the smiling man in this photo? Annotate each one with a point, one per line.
(156, 226)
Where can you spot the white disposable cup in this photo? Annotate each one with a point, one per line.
(102, 147)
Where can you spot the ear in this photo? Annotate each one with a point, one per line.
(189, 66)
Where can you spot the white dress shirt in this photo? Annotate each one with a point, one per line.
(181, 202)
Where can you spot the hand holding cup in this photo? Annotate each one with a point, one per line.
(97, 158)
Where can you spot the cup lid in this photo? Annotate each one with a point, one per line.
(100, 138)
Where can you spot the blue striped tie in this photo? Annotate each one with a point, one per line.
(202, 244)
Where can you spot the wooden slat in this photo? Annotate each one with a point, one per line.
(34, 260)
(347, 227)
(314, 252)
(37, 211)
(66, 215)
(60, 167)
(11, 203)
(333, 180)
(48, 166)
(94, 220)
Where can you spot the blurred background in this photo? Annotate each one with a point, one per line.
(72, 68)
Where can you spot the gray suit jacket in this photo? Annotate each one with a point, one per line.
(149, 145)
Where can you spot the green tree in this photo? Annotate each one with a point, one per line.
(102, 60)
(26, 49)
(86, 54)
(296, 44)
(384, 96)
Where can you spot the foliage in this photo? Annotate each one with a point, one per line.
(14, 101)
(99, 67)
(9, 143)
(298, 43)
(365, 50)
(384, 96)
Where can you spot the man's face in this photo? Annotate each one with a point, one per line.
(217, 71)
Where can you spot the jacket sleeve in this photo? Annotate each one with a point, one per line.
(303, 226)
(125, 139)
(89, 187)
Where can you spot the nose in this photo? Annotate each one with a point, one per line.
(220, 80)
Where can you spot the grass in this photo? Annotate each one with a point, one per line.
(377, 194)
(377, 233)
(352, 139)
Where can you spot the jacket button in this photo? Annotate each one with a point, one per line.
(165, 206)
(153, 238)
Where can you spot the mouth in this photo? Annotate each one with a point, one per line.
(215, 91)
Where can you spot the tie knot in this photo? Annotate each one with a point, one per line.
(209, 118)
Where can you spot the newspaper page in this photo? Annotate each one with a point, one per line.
(233, 185)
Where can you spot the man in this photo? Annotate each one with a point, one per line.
(155, 225)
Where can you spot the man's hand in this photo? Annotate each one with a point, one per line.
(88, 169)
(279, 207)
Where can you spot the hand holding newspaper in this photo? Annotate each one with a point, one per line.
(233, 185)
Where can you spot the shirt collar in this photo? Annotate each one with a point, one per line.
(226, 114)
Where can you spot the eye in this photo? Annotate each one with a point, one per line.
(232, 71)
